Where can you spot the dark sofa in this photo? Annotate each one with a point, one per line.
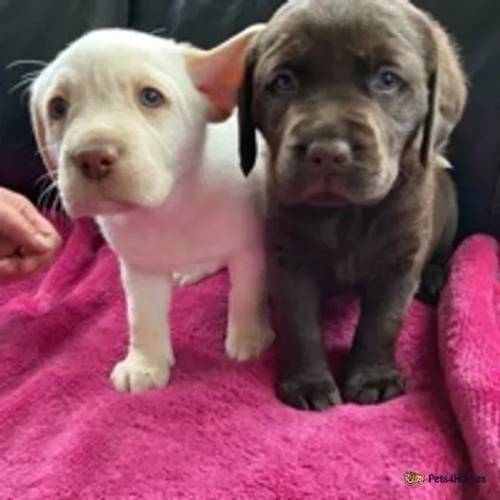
(31, 29)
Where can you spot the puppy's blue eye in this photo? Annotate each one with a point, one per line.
(151, 98)
(385, 81)
(283, 82)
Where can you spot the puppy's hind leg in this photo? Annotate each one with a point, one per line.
(432, 281)
(248, 331)
(150, 357)
(445, 223)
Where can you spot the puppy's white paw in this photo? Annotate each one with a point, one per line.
(196, 275)
(243, 345)
(188, 279)
(137, 374)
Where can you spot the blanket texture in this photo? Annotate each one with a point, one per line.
(218, 431)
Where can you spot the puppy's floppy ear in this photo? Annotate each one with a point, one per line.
(247, 134)
(38, 127)
(218, 72)
(429, 125)
(447, 91)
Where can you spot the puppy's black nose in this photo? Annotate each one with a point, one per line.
(97, 163)
(334, 153)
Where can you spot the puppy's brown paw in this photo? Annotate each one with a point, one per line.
(368, 384)
(432, 282)
(306, 391)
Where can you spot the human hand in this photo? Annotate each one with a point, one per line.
(28, 241)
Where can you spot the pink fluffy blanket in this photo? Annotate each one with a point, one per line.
(218, 431)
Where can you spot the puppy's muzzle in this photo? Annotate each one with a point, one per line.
(335, 147)
(337, 158)
(328, 155)
(96, 162)
(332, 143)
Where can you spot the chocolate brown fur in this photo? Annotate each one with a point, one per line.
(356, 196)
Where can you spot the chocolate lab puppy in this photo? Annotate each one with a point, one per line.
(356, 101)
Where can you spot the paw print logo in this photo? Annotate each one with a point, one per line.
(414, 478)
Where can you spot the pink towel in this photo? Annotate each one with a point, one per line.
(218, 431)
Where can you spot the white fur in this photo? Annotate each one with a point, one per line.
(176, 205)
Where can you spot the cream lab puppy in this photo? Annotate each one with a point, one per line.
(122, 122)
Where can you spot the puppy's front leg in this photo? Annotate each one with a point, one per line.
(150, 357)
(372, 375)
(248, 331)
(305, 381)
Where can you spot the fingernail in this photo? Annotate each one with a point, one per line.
(43, 239)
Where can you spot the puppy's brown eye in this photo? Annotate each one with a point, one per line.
(151, 98)
(58, 108)
(283, 82)
(385, 81)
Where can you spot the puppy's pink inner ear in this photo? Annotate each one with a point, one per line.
(216, 79)
(218, 73)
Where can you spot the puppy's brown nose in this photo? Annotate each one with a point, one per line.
(97, 163)
(335, 153)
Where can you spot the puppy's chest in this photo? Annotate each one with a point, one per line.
(340, 249)
(166, 244)
(343, 250)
